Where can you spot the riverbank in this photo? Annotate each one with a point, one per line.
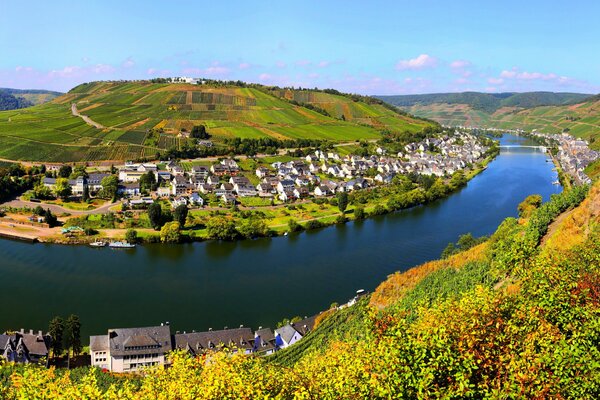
(273, 220)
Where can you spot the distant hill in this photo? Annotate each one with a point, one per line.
(138, 119)
(11, 99)
(488, 102)
(545, 111)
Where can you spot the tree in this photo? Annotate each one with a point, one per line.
(62, 188)
(170, 232)
(155, 215)
(148, 182)
(110, 186)
(199, 132)
(131, 236)
(78, 171)
(72, 336)
(294, 226)
(527, 206)
(86, 193)
(359, 213)
(65, 171)
(56, 330)
(42, 192)
(180, 214)
(50, 219)
(253, 227)
(221, 228)
(342, 199)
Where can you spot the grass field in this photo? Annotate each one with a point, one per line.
(127, 110)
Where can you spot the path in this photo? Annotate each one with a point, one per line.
(55, 208)
(87, 119)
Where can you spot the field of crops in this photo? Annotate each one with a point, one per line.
(127, 110)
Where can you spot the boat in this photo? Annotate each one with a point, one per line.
(98, 243)
(556, 183)
(285, 234)
(121, 245)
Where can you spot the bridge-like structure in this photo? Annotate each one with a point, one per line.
(541, 148)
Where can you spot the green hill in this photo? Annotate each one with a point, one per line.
(11, 99)
(545, 111)
(125, 112)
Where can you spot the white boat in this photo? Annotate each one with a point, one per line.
(98, 243)
(121, 245)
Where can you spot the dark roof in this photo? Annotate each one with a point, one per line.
(36, 343)
(305, 325)
(99, 343)
(287, 332)
(148, 340)
(199, 342)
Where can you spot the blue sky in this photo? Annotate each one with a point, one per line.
(375, 47)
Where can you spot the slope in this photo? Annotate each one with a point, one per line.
(128, 110)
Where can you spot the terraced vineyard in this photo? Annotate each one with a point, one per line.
(127, 110)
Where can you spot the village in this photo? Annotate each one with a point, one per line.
(573, 155)
(319, 174)
(125, 350)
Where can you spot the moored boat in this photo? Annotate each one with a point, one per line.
(121, 245)
(98, 243)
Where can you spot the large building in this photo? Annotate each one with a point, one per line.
(129, 349)
(24, 347)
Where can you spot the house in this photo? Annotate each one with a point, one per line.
(94, 182)
(78, 185)
(322, 190)
(228, 199)
(262, 172)
(200, 171)
(286, 195)
(163, 191)
(264, 189)
(129, 349)
(301, 192)
(179, 201)
(213, 180)
(164, 176)
(286, 336)
(285, 185)
(264, 341)
(133, 172)
(198, 343)
(245, 190)
(129, 189)
(239, 180)
(24, 347)
(179, 185)
(219, 169)
(196, 200)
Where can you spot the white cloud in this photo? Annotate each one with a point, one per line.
(495, 81)
(244, 65)
(128, 63)
(264, 77)
(458, 64)
(421, 62)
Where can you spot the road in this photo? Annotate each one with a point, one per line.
(87, 119)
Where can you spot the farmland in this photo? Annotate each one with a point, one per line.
(126, 111)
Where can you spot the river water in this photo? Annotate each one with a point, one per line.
(255, 282)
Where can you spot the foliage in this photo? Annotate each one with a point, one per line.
(170, 232)
(56, 330)
(342, 199)
(180, 214)
(221, 228)
(50, 218)
(155, 215)
(148, 182)
(464, 242)
(73, 334)
(294, 226)
(527, 206)
(131, 236)
(110, 185)
(253, 227)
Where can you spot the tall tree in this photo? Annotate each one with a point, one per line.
(72, 336)
(56, 331)
(180, 214)
(155, 215)
(110, 185)
(65, 171)
(342, 199)
(148, 182)
(50, 218)
(62, 188)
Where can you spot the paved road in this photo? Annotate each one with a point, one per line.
(18, 203)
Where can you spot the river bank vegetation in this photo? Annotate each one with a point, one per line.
(513, 317)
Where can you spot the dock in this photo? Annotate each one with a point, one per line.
(20, 236)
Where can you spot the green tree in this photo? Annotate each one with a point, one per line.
(342, 200)
(65, 171)
(180, 214)
(50, 219)
(359, 213)
(148, 182)
(131, 236)
(253, 227)
(527, 206)
(155, 215)
(78, 171)
(86, 193)
(199, 132)
(170, 232)
(294, 226)
(42, 192)
(110, 185)
(56, 330)
(62, 188)
(221, 228)
(73, 336)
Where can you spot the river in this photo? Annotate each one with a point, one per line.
(255, 282)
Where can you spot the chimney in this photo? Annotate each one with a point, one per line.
(31, 331)
(242, 325)
(210, 329)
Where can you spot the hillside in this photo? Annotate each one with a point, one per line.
(514, 317)
(11, 99)
(123, 113)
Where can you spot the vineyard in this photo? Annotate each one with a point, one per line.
(129, 110)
